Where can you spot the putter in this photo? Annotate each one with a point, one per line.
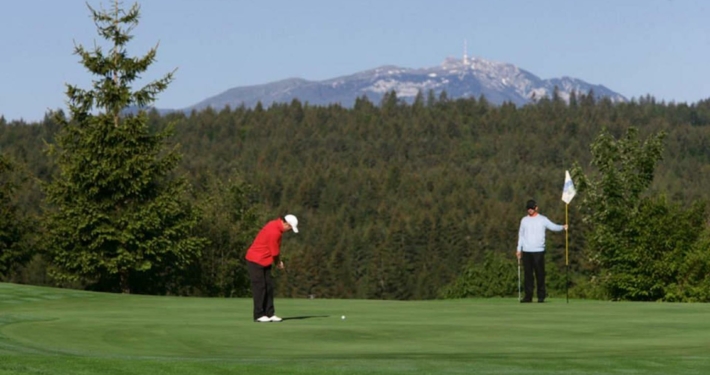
(519, 280)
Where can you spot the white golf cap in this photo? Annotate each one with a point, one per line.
(292, 221)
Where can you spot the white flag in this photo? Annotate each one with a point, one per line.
(568, 191)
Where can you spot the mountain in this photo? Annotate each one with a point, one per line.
(460, 78)
(132, 110)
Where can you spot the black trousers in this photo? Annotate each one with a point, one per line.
(262, 290)
(534, 263)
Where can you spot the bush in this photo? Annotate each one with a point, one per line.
(495, 276)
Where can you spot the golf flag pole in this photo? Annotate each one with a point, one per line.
(568, 192)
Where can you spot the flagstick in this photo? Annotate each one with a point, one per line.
(567, 251)
(568, 193)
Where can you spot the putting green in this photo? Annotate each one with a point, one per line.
(56, 331)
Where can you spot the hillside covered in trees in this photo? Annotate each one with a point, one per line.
(396, 201)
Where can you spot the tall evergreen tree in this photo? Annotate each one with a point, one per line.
(120, 219)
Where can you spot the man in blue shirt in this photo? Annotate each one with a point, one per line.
(531, 248)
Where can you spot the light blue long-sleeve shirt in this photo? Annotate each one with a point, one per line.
(531, 237)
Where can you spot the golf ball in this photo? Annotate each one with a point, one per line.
(342, 317)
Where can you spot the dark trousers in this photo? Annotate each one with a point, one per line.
(262, 290)
(534, 263)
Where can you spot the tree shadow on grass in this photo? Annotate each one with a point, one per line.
(304, 317)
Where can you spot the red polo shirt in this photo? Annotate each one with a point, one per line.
(267, 244)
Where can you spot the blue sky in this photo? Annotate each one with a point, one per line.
(635, 47)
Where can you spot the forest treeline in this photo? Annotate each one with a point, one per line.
(395, 200)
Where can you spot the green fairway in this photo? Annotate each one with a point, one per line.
(56, 331)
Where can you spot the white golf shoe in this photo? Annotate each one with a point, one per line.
(275, 319)
(263, 319)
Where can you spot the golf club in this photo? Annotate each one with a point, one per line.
(519, 279)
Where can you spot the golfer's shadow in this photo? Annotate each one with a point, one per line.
(304, 317)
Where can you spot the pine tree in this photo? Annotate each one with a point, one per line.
(120, 218)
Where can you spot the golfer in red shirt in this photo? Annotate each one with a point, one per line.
(262, 254)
